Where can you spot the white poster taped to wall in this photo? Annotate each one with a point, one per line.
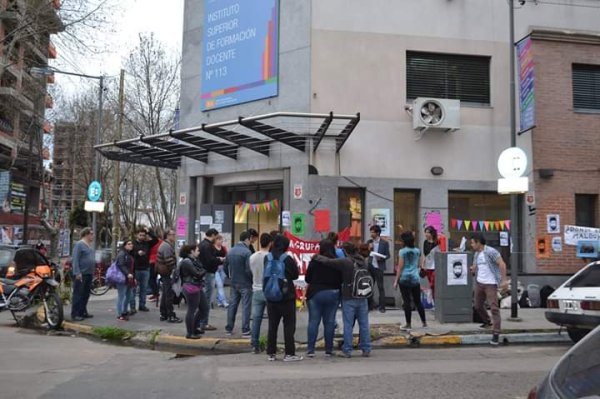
(457, 269)
(578, 233)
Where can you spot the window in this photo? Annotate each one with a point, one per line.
(586, 87)
(350, 212)
(457, 77)
(585, 210)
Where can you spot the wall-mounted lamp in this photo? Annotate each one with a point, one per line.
(546, 173)
(437, 171)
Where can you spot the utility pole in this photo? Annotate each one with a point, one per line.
(97, 156)
(116, 233)
(514, 198)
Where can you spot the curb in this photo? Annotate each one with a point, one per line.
(181, 345)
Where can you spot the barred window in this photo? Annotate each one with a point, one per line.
(458, 77)
(586, 87)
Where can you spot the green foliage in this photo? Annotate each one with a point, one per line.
(262, 343)
(112, 333)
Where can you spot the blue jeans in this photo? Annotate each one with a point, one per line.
(356, 309)
(81, 295)
(322, 306)
(209, 283)
(258, 310)
(142, 277)
(123, 298)
(244, 293)
(220, 281)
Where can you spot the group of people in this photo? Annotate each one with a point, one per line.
(330, 277)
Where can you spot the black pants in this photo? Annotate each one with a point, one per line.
(197, 307)
(377, 275)
(166, 299)
(281, 310)
(407, 292)
(153, 284)
(81, 295)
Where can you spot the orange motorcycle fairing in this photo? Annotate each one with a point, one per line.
(43, 271)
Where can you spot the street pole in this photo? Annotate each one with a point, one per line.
(97, 157)
(515, 227)
(117, 173)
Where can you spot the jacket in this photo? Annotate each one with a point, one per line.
(165, 259)
(84, 261)
(346, 266)
(208, 256)
(237, 265)
(191, 271)
(320, 277)
(384, 249)
(291, 274)
(124, 262)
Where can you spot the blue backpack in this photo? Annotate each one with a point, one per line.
(275, 285)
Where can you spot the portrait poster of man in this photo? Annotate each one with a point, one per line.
(553, 224)
(457, 269)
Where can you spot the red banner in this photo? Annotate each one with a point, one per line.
(303, 250)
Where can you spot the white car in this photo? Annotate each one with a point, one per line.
(576, 303)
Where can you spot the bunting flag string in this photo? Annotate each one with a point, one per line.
(244, 207)
(481, 225)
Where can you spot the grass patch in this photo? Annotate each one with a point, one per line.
(262, 342)
(112, 333)
(153, 335)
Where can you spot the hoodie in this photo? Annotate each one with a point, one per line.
(346, 266)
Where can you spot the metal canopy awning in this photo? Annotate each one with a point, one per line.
(301, 131)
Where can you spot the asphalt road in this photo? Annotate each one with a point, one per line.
(40, 366)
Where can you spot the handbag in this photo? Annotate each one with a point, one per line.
(114, 275)
(191, 289)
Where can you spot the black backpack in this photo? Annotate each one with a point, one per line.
(362, 282)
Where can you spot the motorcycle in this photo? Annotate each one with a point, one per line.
(36, 290)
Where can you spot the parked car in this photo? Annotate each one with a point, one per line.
(576, 303)
(576, 374)
(18, 260)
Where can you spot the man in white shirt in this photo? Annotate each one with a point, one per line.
(490, 271)
(257, 266)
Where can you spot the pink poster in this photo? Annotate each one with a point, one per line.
(434, 219)
(182, 226)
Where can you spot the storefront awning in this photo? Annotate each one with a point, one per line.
(301, 131)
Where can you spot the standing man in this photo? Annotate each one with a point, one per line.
(380, 254)
(152, 258)
(141, 266)
(257, 266)
(210, 261)
(237, 267)
(490, 270)
(165, 263)
(253, 239)
(84, 265)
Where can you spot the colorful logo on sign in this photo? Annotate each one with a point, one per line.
(94, 191)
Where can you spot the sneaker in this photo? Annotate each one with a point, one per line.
(228, 333)
(486, 325)
(292, 358)
(328, 354)
(256, 351)
(424, 324)
(246, 333)
(272, 358)
(144, 309)
(88, 316)
(122, 318)
(406, 327)
(345, 355)
(310, 354)
(174, 319)
(495, 340)
(366, 354)
(208, 327)
(163, 318)
(193, 336)
(132, 312)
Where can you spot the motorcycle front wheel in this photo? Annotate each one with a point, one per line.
(53, 309)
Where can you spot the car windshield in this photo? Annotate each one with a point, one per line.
(578, 374)
(590, 277)
(5, 257)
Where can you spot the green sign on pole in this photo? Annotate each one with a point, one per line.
(298, 224)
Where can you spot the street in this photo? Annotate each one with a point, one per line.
(36, 365)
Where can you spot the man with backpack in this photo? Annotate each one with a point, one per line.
(166, 261)
(357, 287)
(257, 267)
(278, 287)
(237, 268)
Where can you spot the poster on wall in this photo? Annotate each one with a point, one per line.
(504, 238)
(457, 269)
(553, 224)
(286, 217)
(542, 247)
(587, 249)
(298, 224)
(573, 234)
(556, 244)
(240, 60)
(381, 218)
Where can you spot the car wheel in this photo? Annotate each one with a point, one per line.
(576, 334)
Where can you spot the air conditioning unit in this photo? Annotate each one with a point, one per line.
(436, 113)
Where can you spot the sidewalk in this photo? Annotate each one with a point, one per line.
(385, 328)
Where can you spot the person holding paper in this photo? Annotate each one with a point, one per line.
(379, 255)
(430, 247)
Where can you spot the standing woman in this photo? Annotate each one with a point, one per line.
(407, 277)
(220, 274)
(124, 263)
(192, 278)
(430, 247)
(323, 297)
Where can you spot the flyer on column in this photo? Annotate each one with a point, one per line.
(457, 269)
